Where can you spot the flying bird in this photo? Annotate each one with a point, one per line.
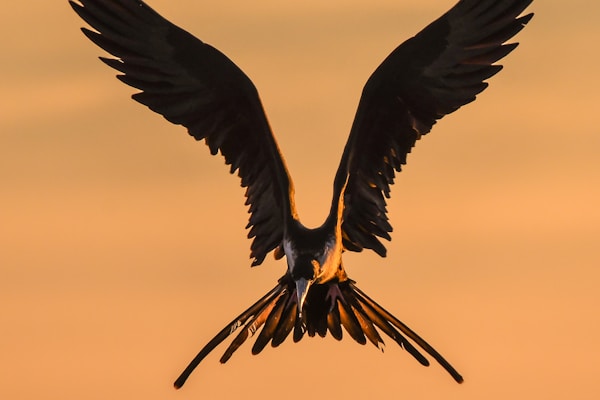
(193, 84)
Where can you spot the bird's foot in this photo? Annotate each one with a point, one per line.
(333, 294)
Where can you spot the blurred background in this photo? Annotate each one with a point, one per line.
(122, 242)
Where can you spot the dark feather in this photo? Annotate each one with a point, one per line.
(240, 320)
(350, 323)
(271, 324)
(251, 327)
(286, 323)
(365, 323)
(363, 298)
(430, 75)
(334, 323)
(276, 313)
(193, 84)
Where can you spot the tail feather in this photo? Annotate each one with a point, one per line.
(251, 327)
(271, 324)
(328, 307)
(367, 326)
(350, 322)
(319, 328)
(299, 328)
(408, 332)
(334, 323)
(228, 330)
(286, 324)
(383, 323)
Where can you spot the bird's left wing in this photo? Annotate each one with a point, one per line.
(430, 75)
(193, 84)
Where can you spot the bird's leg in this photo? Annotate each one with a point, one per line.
(333, 294)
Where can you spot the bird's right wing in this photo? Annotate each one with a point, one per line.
(430, 75)
(193, 84)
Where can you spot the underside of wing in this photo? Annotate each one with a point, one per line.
(430, 75)
(192, 84)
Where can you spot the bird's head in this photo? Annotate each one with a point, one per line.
(304, 272)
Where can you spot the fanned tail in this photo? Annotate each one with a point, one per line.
(251, 319)
(328, 307)
(382, 318)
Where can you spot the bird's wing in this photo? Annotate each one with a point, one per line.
(192, 84)
(430, 75)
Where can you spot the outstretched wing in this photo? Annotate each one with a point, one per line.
(428, 76)
(193, 84)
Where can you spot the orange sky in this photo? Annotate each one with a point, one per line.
(122, 248)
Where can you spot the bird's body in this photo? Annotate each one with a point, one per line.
(193, 84)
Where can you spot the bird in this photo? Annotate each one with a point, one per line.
(190, 83)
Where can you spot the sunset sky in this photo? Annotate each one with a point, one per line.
(122, 241)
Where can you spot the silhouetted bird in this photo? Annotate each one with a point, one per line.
(192, 84)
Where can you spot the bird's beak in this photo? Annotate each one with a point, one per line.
(302, 286)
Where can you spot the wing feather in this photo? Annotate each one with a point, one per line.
(430, 75)
(193, 84)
